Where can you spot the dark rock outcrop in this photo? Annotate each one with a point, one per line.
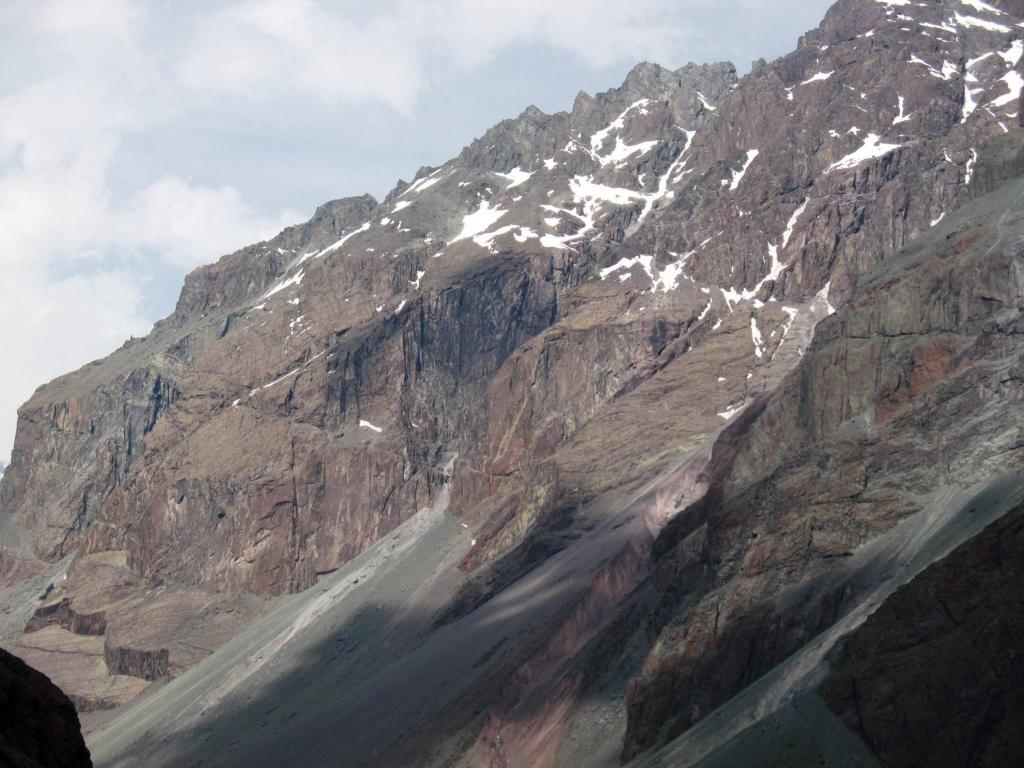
(146, 664)
(38, 724)
(61, 613)
(936, 675)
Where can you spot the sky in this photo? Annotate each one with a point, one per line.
(140, 139)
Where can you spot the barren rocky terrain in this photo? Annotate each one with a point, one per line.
(671, 428)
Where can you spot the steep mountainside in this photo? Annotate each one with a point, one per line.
(836, 488)
(948, 636)
(544, 434)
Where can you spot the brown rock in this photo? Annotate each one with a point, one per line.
(907, 389)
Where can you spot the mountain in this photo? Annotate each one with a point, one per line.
(641, 433)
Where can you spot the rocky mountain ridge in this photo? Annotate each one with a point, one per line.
(549, 333)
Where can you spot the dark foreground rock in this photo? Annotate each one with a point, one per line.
(935, 676)
(38, 724)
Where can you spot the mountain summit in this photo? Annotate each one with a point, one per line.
(636, 433)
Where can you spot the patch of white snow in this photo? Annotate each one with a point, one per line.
(479, 221)
(872, 148)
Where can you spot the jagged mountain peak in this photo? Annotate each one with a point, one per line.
(584, 142)
(648, 80)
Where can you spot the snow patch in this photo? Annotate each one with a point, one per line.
(520, 233)
(367, 425)
(628, 263)
(974, 21)
(671, 176)
(732, 410)
(1012, 55)
(623, 151)
(666, 279)
(969, 103)
(707, 104)
(792, 222)
(979, 5)
(872, 148)
(755, 334)
(286, 376)
(517, 176)
(737, 176)
(940, 26)
(295, 279)
(818, 77)
(479, 221)
(425, 183)
(337, 245)
(969, 170)
(1014, 83)
(948, 68)
(901, 117)
(821, 299)
(597, 140)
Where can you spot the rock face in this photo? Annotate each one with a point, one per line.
(588, 337)
(38, 724)
(104, 633)
(947, 637)
(907, 389)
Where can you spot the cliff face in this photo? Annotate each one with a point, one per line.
(707, 177)
(913, 386)
(548, 333)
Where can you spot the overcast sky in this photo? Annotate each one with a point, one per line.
(140, 139)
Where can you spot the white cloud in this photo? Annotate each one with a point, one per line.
(266, 49)
(190, 225)
(599, 32)
(74, 252)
